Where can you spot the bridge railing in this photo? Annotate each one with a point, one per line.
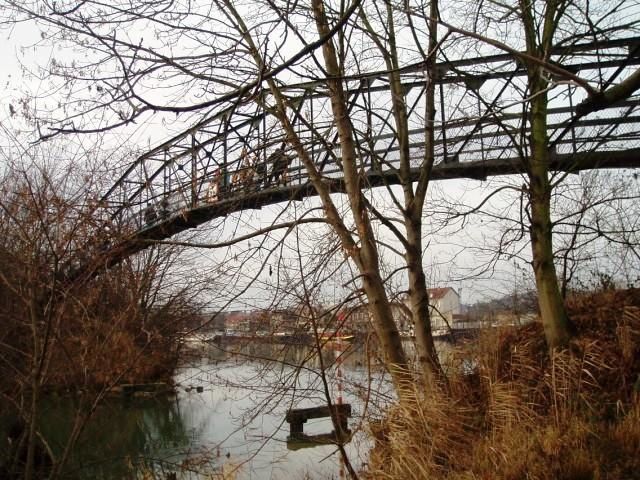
(481, 118)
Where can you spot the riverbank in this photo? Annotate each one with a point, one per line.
(515, 412)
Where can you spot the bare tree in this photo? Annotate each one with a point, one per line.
(544, 26)
(229, 73)
(359, 245)
(87, 336)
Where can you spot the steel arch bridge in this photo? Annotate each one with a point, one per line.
(233, 160)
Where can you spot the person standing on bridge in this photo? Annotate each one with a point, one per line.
(164, 206)
(260, 168)
(213, 191)
(280, 163)
(150, 214)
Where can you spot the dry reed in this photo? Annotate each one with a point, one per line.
(516, 412)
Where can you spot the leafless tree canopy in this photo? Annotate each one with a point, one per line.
(262, 97)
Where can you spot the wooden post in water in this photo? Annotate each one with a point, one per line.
(297, 417)
(340, 421)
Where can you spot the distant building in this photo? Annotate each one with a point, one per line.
(444, 307)
(297, 320)
(358, 319)
(237, 323)
(283, 322)
(444, 304)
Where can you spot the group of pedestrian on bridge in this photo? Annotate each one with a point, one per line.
(250, 175)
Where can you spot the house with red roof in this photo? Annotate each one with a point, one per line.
(444, 304)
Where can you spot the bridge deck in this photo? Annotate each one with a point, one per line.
(187, 218)
(231, 160)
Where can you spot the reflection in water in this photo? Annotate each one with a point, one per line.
(121, 439)
(256, 393)
(237, 422)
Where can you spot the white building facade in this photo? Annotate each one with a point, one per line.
(444, 303)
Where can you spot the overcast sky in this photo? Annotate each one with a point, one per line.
(453, 254)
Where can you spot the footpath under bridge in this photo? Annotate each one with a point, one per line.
(231, 161)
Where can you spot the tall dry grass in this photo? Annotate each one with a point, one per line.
(515, 412)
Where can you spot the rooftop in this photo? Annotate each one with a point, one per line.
(438, 293)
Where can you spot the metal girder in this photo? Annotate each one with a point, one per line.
(481, 123)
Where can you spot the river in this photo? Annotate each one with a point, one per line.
(228, 416)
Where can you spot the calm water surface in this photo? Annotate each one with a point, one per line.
(235, 424)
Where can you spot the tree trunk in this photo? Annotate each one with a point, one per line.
(428, 362)
(364, 253)
(366, 256)
(552, 311)
(386, 329)
(34, 315)
(419, 304)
